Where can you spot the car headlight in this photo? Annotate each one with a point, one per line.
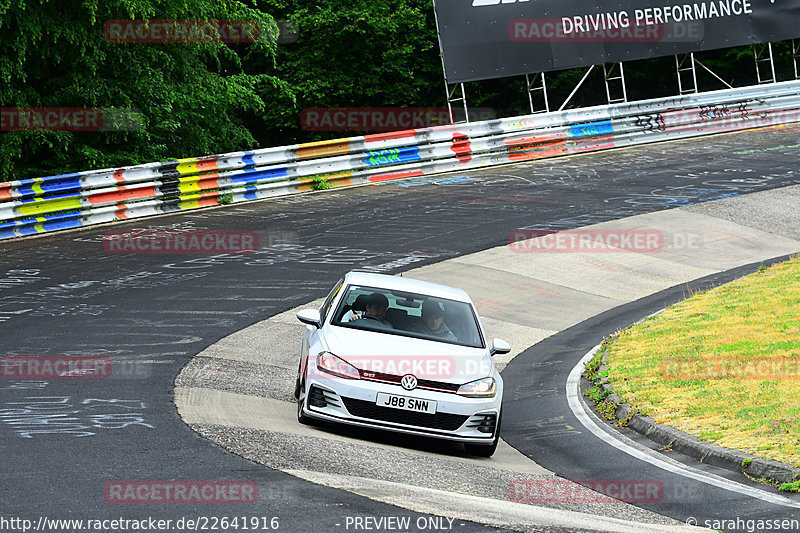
(482, 388)
(327, 362)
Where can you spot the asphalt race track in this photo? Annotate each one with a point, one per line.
(64, 441)
(566, 453)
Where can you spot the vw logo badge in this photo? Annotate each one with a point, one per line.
(408, 382)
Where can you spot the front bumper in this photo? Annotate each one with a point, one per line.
(469, 420)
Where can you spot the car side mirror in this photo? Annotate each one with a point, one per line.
(310, 317)
(500, 346)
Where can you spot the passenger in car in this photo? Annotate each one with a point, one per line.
(433, 321)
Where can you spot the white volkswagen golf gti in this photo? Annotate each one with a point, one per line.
(402, 355)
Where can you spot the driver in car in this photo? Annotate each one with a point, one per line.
(375, 309)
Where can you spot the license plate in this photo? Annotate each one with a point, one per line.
(405, 403)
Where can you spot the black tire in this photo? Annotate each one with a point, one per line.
(301, 398)
(297, 385)
(486, 450)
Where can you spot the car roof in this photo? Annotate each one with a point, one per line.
(384, 281)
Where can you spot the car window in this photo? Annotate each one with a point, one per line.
(326, 305)
(406, 316)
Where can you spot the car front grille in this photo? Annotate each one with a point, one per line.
(426, 384)
(365, 409)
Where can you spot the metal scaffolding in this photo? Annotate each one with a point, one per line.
(614, 79)
(682, 69)
(762, 53)
(452, 98)
(690, 86)
(609, 76)
(536, 83)
(583, 79)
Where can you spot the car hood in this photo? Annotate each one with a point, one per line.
(398, 355)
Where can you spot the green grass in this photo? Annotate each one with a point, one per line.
(723, 365)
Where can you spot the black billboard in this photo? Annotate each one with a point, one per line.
(483, 39)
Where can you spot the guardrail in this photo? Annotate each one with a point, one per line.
(39, 205)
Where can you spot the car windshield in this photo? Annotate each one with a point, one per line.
(408, 314)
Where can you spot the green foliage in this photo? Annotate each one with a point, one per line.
(794, 486)
(354, 53)
(194, 97)
(591, 369)
(606, 410)
(781, 426)
(623, 422)
(321, 183)
(711, 435)
(597, 394)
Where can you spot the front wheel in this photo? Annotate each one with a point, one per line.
(301, 398)
(486, 450)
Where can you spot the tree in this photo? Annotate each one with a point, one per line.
(194, 97)
(353, 53)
